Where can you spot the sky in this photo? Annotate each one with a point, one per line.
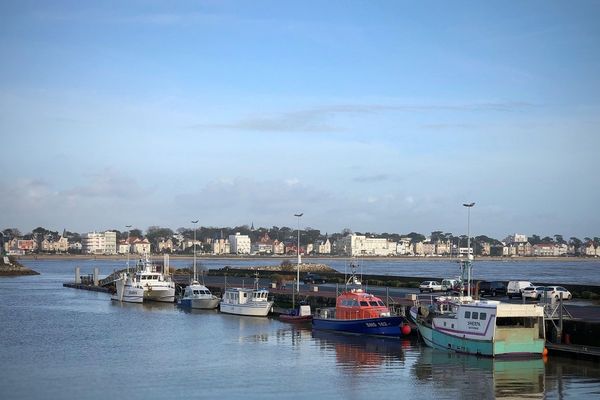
(377, 116)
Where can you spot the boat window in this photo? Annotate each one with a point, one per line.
(364, 303)
(373, 303)
(196, 292)
(380, 303)
(245, 295)
(482, 315)
(467, 314)
(475, 315)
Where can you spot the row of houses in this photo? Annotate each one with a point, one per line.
(106, 243)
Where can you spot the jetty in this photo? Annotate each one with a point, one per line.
(10, 267)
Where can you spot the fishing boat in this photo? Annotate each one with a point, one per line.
(483, 327)
(245, 301)
(359, 312)
(301, 313)
(128, 290)
(158, 286)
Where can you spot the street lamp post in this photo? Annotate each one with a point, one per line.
(469, 206)
(469, 255)
(195, 222)
(298, 251)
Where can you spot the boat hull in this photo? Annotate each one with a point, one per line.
(382, 326)
(295, 318)
(258, 309)
(200, 304)
(512, 347)
(165, 295)
(128, 293)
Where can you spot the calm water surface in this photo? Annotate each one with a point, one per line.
(60, 343)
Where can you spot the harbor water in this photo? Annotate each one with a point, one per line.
(61, 343)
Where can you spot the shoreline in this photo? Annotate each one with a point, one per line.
(304, 258)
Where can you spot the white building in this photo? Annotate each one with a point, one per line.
(322, 247)
(357, 245)
(516, 238)
(240, 244)
(403, 247)
(220, 246)
(100, 243)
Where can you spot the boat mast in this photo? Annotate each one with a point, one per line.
(195, 222)
(298, 251)
(128, 246)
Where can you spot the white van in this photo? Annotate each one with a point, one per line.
(515, 288)
(449, 284)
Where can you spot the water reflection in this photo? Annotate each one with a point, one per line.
(357, 353)
(466, 375)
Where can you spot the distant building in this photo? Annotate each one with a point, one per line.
(516, 238)
(322, 247)
(100, 243)
(220, 246)
(240, 244)
(356, 245)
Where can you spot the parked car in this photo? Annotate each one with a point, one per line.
(555, 291)
(515, 288)
(313, 278)
(533, 292)
(430, 286)
(493, 288)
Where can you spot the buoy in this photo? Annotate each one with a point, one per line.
(406, 330)
(545, 352)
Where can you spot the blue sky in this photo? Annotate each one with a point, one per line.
(373, 116)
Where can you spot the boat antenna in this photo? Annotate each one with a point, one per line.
(128, 246)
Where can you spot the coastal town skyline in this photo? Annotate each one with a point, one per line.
(387, 117)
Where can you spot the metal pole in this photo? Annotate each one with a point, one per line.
(195, 222)
(469, 256)
(298, 251)
(128, 246)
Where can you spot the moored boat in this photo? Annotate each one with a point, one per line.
(358, 312)
(301, 313)
(244, 301)
(199, 296)
(157, 285)
(488, 328)
(128, 290)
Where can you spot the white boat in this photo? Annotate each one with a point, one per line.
(128, 290)
(198, 296)
(489, 328)
(241, 301)
(157, 285)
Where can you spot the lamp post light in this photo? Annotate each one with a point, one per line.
(128, 246)
(195, 222)
(298, 251)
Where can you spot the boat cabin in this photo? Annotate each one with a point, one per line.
(357, 304)
(243, 296)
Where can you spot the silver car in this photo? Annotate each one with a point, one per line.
(533, 292)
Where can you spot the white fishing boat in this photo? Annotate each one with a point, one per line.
(158, 286)
(128, 290)
(242, 301)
